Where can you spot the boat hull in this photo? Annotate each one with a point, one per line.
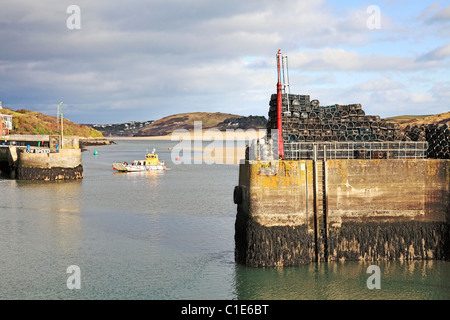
(130, 168)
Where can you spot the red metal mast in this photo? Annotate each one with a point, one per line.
(279, 108)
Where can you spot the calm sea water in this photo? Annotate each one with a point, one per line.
(163, 235)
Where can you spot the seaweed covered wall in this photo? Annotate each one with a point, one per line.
(387, 190)
(295, 212)
(63, 165)
(274, 226)
(49, 174)
(407, 240)
(275, 246)
(388, 209)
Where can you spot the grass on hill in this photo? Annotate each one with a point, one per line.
(167, 125)
(33, 122)
(403, 121)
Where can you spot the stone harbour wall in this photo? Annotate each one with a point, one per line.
(63, 165)
(296, 212)
(49, 174)
(408, 240)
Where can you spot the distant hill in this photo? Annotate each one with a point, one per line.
(127, 129)
(167, 125)
(250, 122)
(217, 120)
(412, 120)
(33, 122)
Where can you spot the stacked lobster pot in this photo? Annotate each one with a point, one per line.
(306, 121)
(437, 136)
(347, 132)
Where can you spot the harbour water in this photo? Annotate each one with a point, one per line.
(164, 235)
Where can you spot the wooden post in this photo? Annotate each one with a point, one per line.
(325, 203)
(307, 198)
(316, 203)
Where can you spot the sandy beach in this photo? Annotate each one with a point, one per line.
(225, 147)
(206, 135)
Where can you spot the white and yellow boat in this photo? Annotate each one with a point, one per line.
(150, 163)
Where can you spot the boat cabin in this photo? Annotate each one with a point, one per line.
(151, 159)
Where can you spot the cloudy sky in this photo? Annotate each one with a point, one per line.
(143, 60)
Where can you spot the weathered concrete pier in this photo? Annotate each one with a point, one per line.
(41, 159)
(335, 184)
(296, 212)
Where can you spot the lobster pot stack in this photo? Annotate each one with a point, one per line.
(304, 120)
(345, 131)
(437, 136)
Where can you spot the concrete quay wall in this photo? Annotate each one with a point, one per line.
(8, 157)
(41, 163)
(62, 165)
(64, 158)
(396, 209)
(296, 212)
(274, 226)
(388, 190)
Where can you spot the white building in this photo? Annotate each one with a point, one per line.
(5, 124)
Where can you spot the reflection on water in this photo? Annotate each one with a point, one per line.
(56, 208)
(151, 178)
(57, 196)
(163, 235)
(408, 280)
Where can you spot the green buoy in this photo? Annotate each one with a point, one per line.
(95, 153)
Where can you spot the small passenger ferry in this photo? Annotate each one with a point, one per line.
(150, 163)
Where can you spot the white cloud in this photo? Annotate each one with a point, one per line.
(439, 53)
(418, 97)
(342, 60)
(435, 13)
(152, 58)
(383, 84)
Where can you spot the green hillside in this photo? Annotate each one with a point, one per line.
(33, 122)
(167, 125)
(411, 120)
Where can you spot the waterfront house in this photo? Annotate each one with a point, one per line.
(5, 124)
